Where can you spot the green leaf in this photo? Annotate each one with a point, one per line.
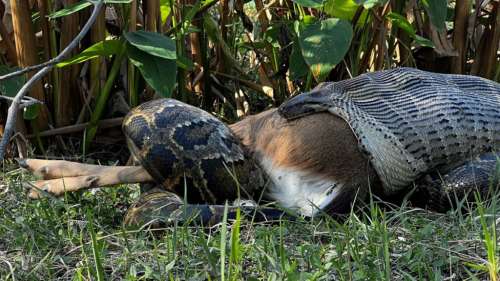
(424, 42)
(252, 45)
(325, 44)
(369, 4)
(164, 10)
(70, 9)
(160, 73)
(310, 3)
(185, 63)
(31, 112)
(113, 1)
(401, 22)
(437, 10)
(11, 86)
(104, 48)
(153, 43)
(342, 9)
(298, 66)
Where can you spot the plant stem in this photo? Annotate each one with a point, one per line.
(102, 99)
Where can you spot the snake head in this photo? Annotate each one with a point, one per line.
(305, 104)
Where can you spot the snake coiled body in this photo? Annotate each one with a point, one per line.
(182, 146)
(408, 124)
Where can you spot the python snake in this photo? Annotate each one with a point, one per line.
(409, 124)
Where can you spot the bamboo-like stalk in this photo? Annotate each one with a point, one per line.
(98, 65)
(490, 44)
(151, 17)
(131, 75)
(208, 96)
(69, 101)
(462, 9)
(179, 44)
(196, 52)
(55, 78)
(6, 38)
(44, 23)
(151, 24)
(381, 46)
(9, 44)
(24, 35)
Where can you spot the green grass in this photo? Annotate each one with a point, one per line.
(80, 237)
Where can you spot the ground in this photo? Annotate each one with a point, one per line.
(80, 237)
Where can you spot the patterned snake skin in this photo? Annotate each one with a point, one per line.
(189, 151)
(410, 122)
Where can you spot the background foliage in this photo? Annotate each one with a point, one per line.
(232, 58)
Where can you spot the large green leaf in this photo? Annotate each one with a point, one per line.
(160, 73)
(103, 48)
(298, 67)
(153, 43)
(10, 87)
(310, 3)
(324, 44)
(437, 10)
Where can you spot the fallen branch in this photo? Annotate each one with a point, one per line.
(14, 107)
(103, 124)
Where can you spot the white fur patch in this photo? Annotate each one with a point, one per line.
(299, 190)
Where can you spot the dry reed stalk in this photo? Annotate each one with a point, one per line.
(460, 36)
(26, 51)
(69, 102)
(98, 66)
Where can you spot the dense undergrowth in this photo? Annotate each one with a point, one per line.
(81, 237)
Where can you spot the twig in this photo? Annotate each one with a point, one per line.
(14, 107)
(25, 102)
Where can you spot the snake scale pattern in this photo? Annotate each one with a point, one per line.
(409, 123)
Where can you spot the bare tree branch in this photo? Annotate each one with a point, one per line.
(14, 107)
(25, 102)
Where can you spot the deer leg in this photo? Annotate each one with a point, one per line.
(54, 169)
(64, 176)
